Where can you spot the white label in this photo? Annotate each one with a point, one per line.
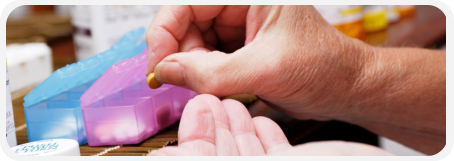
(10, 128)
(9, 107)
(53, 147)
(37, 148)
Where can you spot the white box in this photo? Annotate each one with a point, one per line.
(98, 27)
(28, 64)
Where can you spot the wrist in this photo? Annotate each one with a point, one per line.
(358, 58)
(365, 87)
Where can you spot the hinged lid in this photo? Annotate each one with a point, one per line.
(72, 75)
(117, 78)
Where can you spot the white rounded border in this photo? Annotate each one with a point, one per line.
(446, 154)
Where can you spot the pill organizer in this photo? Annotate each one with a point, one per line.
(52, 109)
(120, 108)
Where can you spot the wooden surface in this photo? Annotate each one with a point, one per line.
(426, 29)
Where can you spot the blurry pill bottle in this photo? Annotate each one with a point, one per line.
(406, 10)
(29, 64)
(10, 127)
(346, 18)
(393, 13)
(375, 18)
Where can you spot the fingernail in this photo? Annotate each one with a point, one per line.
(157, 71)
(170, 73)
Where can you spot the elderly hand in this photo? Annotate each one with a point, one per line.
(296, 62)
(213, 127)
(287, 55)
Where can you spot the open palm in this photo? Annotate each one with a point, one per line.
(213, 127)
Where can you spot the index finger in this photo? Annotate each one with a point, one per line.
(197, 129)
(169, 26)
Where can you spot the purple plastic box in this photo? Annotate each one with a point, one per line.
(120, 108)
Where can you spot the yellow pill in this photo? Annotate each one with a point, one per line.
(152, 82)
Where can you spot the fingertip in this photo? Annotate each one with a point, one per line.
(235, 108)
(270, 135)
(157, 71)
(206, 97)
(197, 128)
(197, 121)
(266, 124)
(242, 128)
(263, 119)
(232, 102)
(217, 108)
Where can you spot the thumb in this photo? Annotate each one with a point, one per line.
(202, 71)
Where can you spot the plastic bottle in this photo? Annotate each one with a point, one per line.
(406, 10)
(346, 18)
(393, 13)
(375, 18)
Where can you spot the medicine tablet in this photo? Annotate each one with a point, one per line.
(152, 82)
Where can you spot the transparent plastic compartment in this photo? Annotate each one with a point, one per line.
(58, 117)
(52, 109)
(120, 108)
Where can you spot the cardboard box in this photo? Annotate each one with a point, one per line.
(97, 27)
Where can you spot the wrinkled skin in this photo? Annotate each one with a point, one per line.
(296, 62)
(269, 65)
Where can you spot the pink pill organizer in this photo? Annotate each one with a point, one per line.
(120, 108)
